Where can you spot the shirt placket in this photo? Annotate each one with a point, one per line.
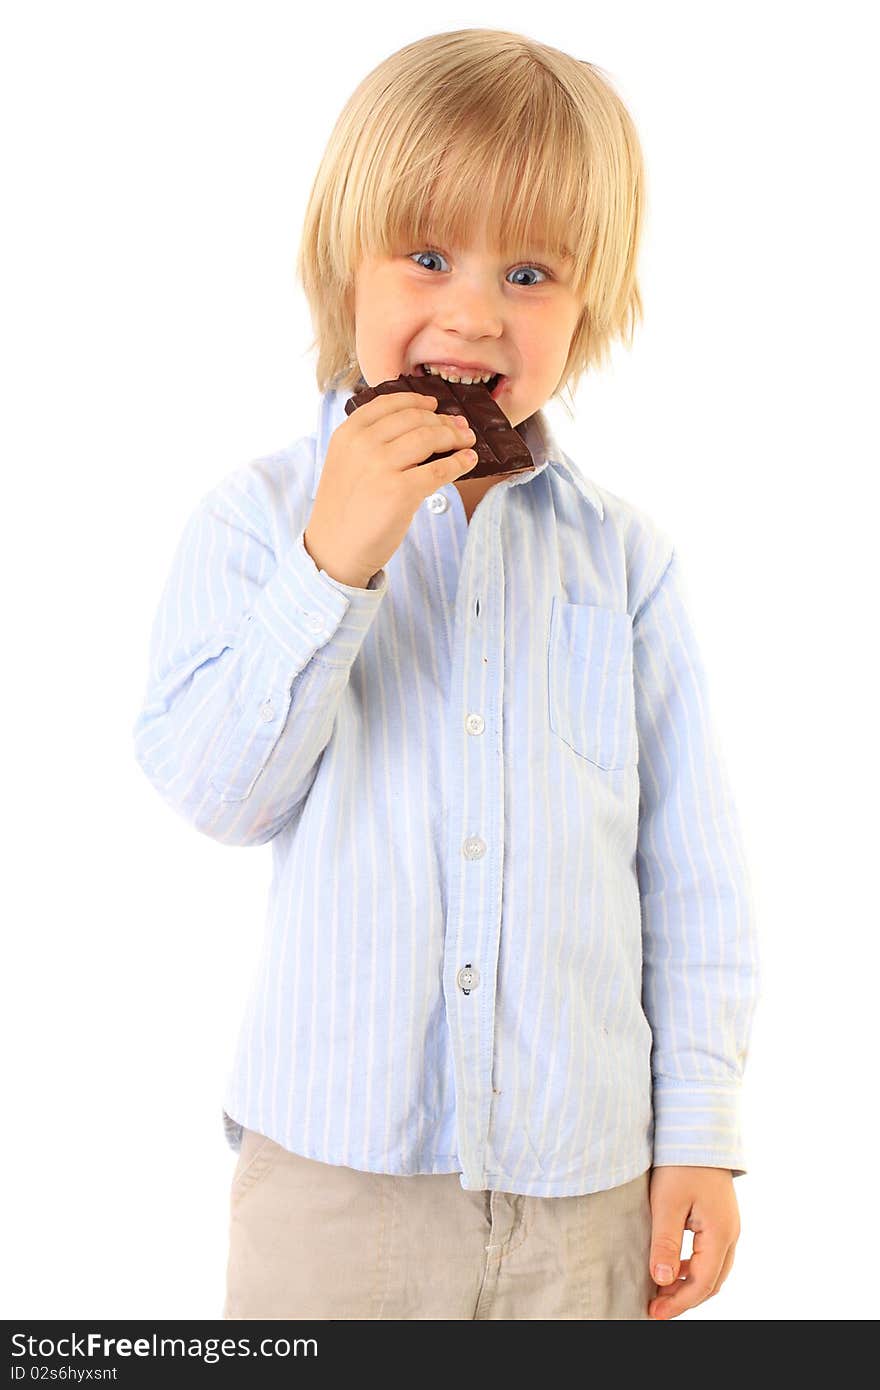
(475, 844)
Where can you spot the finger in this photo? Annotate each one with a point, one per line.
(703, 1270)
(391, 403)
(709, 1253)
(428, 477)
(666, 1236)
(725, 1270)
(415, 438)
(662, 1297)
(684, 1269)
(416, 445)
(402, 413)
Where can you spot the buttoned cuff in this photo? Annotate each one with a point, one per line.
(698, 1124)
(307, 612)
(299, 641)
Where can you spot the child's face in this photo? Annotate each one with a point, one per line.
(443, 304)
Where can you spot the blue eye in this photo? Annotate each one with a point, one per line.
(529, 266)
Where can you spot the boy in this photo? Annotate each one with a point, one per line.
(491, 1061)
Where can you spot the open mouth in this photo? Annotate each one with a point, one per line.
(494, 385)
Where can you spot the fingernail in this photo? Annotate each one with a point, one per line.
(460, 420)
(664, 1274)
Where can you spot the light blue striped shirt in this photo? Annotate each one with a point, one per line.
(510, 930)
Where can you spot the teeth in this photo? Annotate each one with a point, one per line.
(451, 374)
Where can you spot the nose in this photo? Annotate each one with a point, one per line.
(472, 310)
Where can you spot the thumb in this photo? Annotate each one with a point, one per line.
(666, 1249)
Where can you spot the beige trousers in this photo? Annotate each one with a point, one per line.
(317, 1240)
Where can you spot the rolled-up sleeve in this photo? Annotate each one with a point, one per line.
(700, 957)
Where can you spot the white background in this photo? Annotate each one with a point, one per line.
(156, 164)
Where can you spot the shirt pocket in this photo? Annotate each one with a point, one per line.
(590, 682)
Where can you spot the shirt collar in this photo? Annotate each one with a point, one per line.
(538, 435)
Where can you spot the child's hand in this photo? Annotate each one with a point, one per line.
(701, 1200)
(370, 485)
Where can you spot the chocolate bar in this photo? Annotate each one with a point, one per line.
(500, 448)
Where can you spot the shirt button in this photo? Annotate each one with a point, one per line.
(475, 723)
(474, 847)
(267, 710)
(437, 502)
(468, 978)
(316, 622)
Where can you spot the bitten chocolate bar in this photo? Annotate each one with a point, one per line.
(500, 448)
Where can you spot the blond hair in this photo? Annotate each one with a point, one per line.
(459, 122)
